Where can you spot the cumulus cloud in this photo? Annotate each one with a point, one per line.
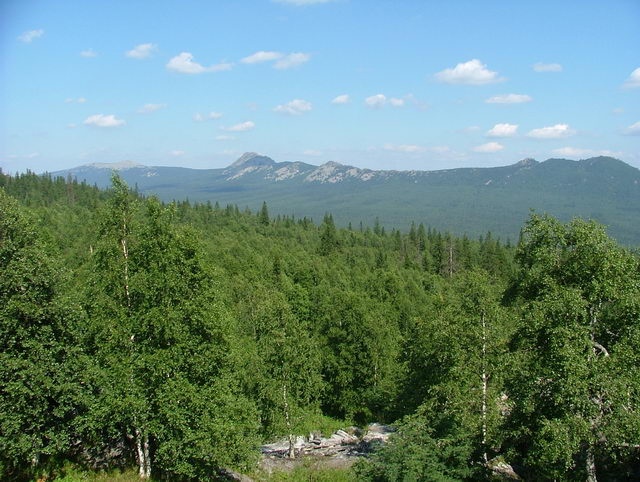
(101, 120)
(148, 108)
(503, 130)
(294, 107)
(88, 53)
(557, 131)
(633, 129)
(282, 61)
(633, 80)
(241, 127)
(141, 51)
(261, 56)
(472, 72)
(542, 67)
(509, 99)
(376, 101)
(395, 102)
(177, 153)
(292, 60)
(341, 99)
(489, 147)
(185, 64)
(30, 35)
(198, 117)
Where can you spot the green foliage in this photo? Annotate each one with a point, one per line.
(39, 384)
(205, 330)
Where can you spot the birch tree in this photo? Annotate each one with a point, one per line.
(159, 331)
(575, 407)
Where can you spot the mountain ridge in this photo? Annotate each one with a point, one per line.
(467, 200)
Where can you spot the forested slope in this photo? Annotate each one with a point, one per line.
(175, 338)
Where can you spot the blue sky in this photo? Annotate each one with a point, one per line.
(377, 84)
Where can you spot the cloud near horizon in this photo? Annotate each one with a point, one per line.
(184, 64)
(488, 148)
(472, 72)
(557, 131)
(101, 120)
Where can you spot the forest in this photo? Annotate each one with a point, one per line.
(175, 338)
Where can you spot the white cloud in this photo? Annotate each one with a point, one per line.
(575, 152)
(341, 99)
(261, 56)
(198, 117)
(376, 101)
(489, 147)
(242, 127)
(295, 107)
(633, 80)
(503, 130)
(292, 60)
(177, 153)
(30, 35)
(101, 120)
(395, 102)
(404, 148)
(88, 54)
(79, 100)
(224, 138)
(148, 108)
(633, 129)
(542, 67)
(472, 72)
(509, 99)
(184, 64)
(141, 51)
(557, 131)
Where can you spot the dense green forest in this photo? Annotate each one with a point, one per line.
(176, 338)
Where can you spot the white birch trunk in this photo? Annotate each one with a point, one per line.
(485, 381)
(144, 459)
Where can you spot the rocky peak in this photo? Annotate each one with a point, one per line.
(252, 159)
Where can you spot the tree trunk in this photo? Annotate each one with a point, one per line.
(591, 466)
(485, 380)
(292, 450)
(144, 460)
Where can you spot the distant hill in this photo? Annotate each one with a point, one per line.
(468, 201)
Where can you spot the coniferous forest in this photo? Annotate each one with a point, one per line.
(174, 339)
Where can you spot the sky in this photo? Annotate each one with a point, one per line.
(379, 84)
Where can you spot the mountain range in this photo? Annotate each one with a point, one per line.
(470, 201)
